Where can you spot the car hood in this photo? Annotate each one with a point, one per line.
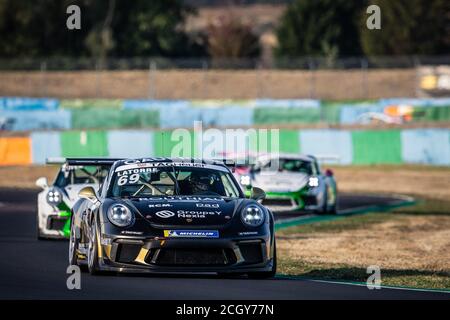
(187, 211)
(280, 181)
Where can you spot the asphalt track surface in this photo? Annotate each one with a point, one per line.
(32, 269)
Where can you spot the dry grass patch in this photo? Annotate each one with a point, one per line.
(25, 176)
(410, 249)
(423, 181)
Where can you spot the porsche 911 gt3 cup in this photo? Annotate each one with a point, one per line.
(293, 182)
(172, 215)
(55, 201)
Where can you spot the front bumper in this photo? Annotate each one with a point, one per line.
(164, 255)
(288, 201)
(55, 224)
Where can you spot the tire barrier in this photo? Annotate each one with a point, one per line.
(28, 114)
(347, 147)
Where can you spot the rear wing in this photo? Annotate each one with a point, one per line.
(327, 158)
(231, 164)
(55, 160)
(83, 161)
(91, 161)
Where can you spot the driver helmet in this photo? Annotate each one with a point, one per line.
(199, 182)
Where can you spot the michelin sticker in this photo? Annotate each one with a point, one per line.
(191, 233)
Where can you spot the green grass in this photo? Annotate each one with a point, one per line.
(429, 279)
(345, 223)
(427, 207)
(423, 207)
(389, 277)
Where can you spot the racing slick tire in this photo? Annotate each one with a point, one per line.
(266, 274)
(73, 247)
(92, 254)
(327, 209)
(332, 209)
(324, 209)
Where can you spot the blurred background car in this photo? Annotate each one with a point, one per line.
(293, 182)
(55, 201)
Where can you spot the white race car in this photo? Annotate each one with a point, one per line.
(293, 182)
(55, 201)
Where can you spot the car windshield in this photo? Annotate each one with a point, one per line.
(80, 175)
(288, 165)
(173, 180)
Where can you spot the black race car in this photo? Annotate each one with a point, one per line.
(172, 215)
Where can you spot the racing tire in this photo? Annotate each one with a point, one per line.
(324, 209)
(73, 247)
(332, 209)
(328, 209)
(266, 274)
(92, 254)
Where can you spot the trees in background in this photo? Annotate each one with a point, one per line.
(109, 27)
(228, 37)
(36, 28)
(123, 28)
(409, 27)
(338, 28)
(320, 27)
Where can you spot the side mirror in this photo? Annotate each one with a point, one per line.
(329, 173)
(42, 182)
(88, 193)
(257, 194)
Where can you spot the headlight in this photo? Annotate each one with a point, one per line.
(245, 180)
(252, 215)
(313, 182)
(120, 215)
(54, 197)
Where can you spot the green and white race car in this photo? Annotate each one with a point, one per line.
(293, 182)
(55, 201)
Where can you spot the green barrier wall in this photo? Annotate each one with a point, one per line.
(113, 119)
(163, 144)
(371, 147)
(431, 114)
(84, 144)
(289, 141)
(286, 115)
(426, 146)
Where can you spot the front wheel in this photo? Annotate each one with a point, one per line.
(92, 254)
(73, 246)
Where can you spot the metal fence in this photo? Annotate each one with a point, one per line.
(163, 78)
(282, 63)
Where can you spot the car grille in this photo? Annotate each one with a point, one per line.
(279, 204)
(197, 257)
(251, 251)
(127, 253)
(56, 222)
(310, 201)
